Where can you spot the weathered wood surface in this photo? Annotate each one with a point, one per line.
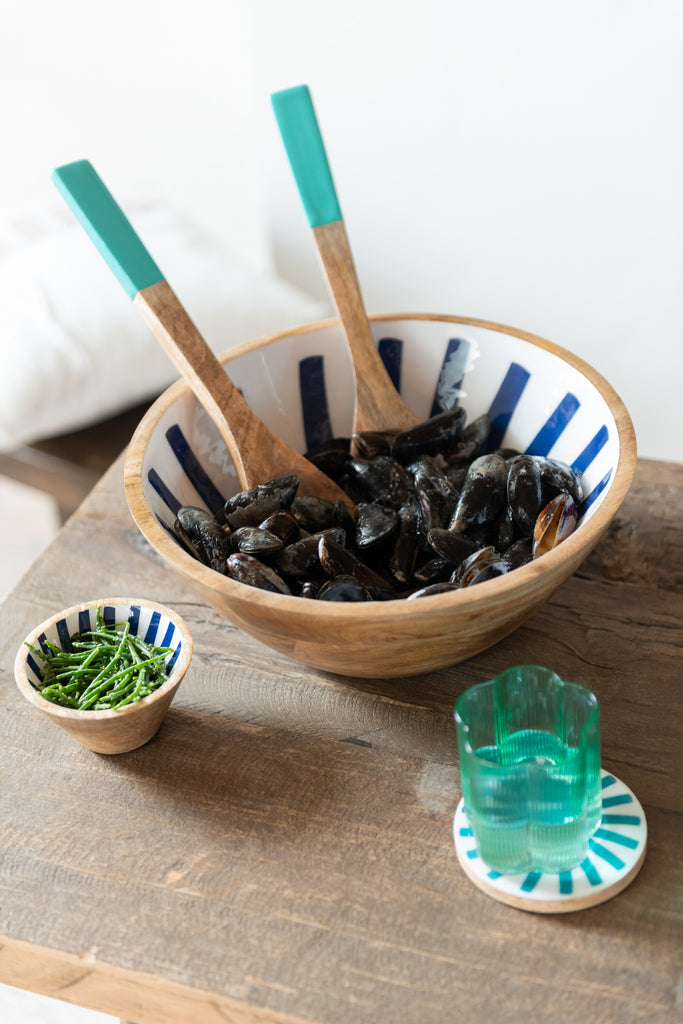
(282, 851)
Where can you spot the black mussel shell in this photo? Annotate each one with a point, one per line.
(524, 491)
(435, 501)
(473, 437)
(436, 570)
(519, 553)
(483, 493)
(368, 443)
(313, 514)
(256, 541)
(337, 561)
(382, 479)
(456, 474)
(283, 525)
(557, 477)
(302, 558)
(343, 520)
(331, 457)
(374, 523)
(249, 570)
(202, 534)
(249, 508)
(343, 588)
(405, 546)
(451, 546)
(440, 434)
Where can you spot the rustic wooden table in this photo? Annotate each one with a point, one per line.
(282, 850)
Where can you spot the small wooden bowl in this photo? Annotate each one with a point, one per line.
(540, 398)
(109, 732)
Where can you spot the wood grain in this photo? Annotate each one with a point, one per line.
(282, 851)
(378, 405)
(258, 454)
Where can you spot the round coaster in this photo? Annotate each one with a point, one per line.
(616, 854)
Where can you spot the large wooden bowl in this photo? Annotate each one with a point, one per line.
(541, 398)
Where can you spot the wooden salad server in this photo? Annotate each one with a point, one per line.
(258, 454)
(378, 404)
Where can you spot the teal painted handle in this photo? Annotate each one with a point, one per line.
(301, 135)
(107, 225)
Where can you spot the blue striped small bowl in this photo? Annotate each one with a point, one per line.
(109, 732)
(541, 399)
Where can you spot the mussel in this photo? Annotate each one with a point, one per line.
(432, 515)
(483, 493)
(249, 508)
(555, 523)
(203, 536)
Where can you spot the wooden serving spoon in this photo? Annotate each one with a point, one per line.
(258, 454)
(378, 404)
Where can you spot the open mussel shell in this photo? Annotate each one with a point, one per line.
(554, 524)
(483, 565)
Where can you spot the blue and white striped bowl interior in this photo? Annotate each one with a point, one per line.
(152, 625)
(301, 385)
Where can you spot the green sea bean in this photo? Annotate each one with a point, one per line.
(108, 668)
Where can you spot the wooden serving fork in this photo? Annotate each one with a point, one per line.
(259, 455)
(378, 404)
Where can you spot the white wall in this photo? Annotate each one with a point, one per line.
(517, 160)
(157, 94)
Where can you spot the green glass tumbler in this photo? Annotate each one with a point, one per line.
(529, 746)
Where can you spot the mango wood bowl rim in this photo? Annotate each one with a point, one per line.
(179, 669)
(490, 592)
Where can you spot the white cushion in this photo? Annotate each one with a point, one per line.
(73, 349)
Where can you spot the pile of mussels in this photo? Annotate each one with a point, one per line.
(432, 514)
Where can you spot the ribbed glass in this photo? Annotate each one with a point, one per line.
(530, 764)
